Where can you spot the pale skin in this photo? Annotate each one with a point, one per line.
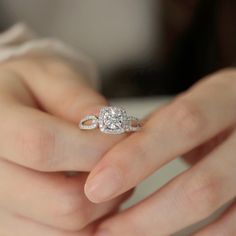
(42, 99)
(198, 125)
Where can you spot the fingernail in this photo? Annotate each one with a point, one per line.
(102, 232)
(104, 184)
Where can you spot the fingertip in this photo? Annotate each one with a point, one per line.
(104, 185)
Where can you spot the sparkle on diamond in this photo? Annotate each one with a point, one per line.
(112, 120)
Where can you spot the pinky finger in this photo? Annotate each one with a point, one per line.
(225, 225)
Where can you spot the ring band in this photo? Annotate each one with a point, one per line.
(111, 120)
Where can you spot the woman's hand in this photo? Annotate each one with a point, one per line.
(41, 101)
(201, 123)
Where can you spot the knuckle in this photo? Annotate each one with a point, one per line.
(188, 118)
(203, 191)
(37, 145)
(58, 67)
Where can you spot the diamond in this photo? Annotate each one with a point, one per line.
(113, 120)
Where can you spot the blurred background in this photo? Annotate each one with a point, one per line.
(145, 51)
(142, 48)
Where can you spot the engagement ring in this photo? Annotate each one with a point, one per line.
(111, 120)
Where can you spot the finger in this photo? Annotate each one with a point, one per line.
(185, 124)
(50, 198)
(12, 224)
(225, 225)
(40, 141)
(57, 86)
(189, 198)
(204, 149)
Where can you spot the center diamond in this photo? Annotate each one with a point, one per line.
(112, 120)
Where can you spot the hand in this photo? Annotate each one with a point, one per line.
(201, 123)
(42, 100)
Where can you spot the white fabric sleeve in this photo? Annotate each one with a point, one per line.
(20, 40)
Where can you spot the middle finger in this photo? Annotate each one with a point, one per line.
(189, 121)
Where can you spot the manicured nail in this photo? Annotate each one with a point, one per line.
(102, 232)
(106, 183)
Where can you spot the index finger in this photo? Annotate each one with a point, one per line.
(191, 119)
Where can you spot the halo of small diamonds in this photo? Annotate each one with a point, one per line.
(111, 120)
